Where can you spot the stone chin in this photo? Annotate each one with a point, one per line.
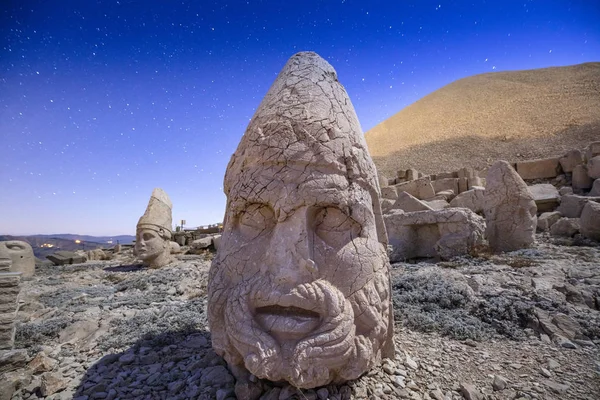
(310, 336)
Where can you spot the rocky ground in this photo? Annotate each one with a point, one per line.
(522, 325)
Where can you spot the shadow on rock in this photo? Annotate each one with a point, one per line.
(170, 365)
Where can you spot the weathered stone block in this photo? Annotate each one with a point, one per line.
(446, 184)
(389, 192)
(443, 234)
(590, 221)
(420, 188)
(592, 150)
(571, 205)
(546, 196)
(471, 199)
(595, 188)
(547, 219)
(509, 208)
(537, 169)
(570, 160)
(580, 179)
(409, 203)
(566, 227)
(593, 167)
(66, 257)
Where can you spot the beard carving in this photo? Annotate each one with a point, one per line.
(343, 336)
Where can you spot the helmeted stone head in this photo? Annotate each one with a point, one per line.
(299, 290)
(153, 233)
(21, 255)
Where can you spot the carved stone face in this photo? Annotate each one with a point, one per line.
(300, 289)
(21, 255)
(152, 248)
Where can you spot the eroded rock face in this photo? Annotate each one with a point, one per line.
(509, 208)
(299, 290)
(153, 233)
(21, 255)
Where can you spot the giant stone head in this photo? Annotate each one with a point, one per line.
(153, 231)
(299, 290)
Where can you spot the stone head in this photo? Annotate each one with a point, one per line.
(299, 290)
(21, 255)
(153, 232)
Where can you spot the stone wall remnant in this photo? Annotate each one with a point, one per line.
(299, 290)
(509, 208)
(437, 234)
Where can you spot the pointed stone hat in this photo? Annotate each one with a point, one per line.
(306, 125)
(158, 214)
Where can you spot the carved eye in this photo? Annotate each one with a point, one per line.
(335, 227)
(255, 220)
(14, 246)
(148, 236)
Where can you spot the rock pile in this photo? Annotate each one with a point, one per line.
(516, 199)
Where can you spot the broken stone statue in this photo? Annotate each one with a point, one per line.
(21, 255)
(509, 208)
(153, 233)
(299, 290)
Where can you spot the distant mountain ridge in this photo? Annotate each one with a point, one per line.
(512, 115)
(44, 245)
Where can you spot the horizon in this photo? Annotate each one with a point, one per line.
(102, 102)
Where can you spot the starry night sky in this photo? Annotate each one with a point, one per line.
(101, 101)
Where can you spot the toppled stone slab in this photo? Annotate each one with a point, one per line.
(443, 234)
(546, 196)
(409, 203)
(66, 258)
(509, 208)
(590, 221)
(471, 199)
(539, 169)
(437, 204)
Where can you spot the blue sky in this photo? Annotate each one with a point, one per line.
(102, 101)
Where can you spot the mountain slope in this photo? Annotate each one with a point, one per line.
(509, 115)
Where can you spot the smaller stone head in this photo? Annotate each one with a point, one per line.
(153, 233)
(21, 255)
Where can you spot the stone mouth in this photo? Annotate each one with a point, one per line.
(286, 322)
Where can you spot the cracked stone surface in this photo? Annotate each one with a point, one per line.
(153, 244)
(299, 290)
(509, 208)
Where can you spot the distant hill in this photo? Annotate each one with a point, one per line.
(501, 115)
(44, 245)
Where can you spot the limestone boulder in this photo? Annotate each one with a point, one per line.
(471, 199)
(444, 184)
(409, 203)
(538, 169)
(547, 219)
(590, 221)
(595, 188)
(593, 167)
(509, 208)
(566, 227)
(386, 205)
(203, 243)
(580, 180)
(546, 196)
(592, 150)
(441, 234)
(389, 192)
(570, 160)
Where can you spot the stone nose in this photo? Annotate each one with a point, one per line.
(290, 253)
